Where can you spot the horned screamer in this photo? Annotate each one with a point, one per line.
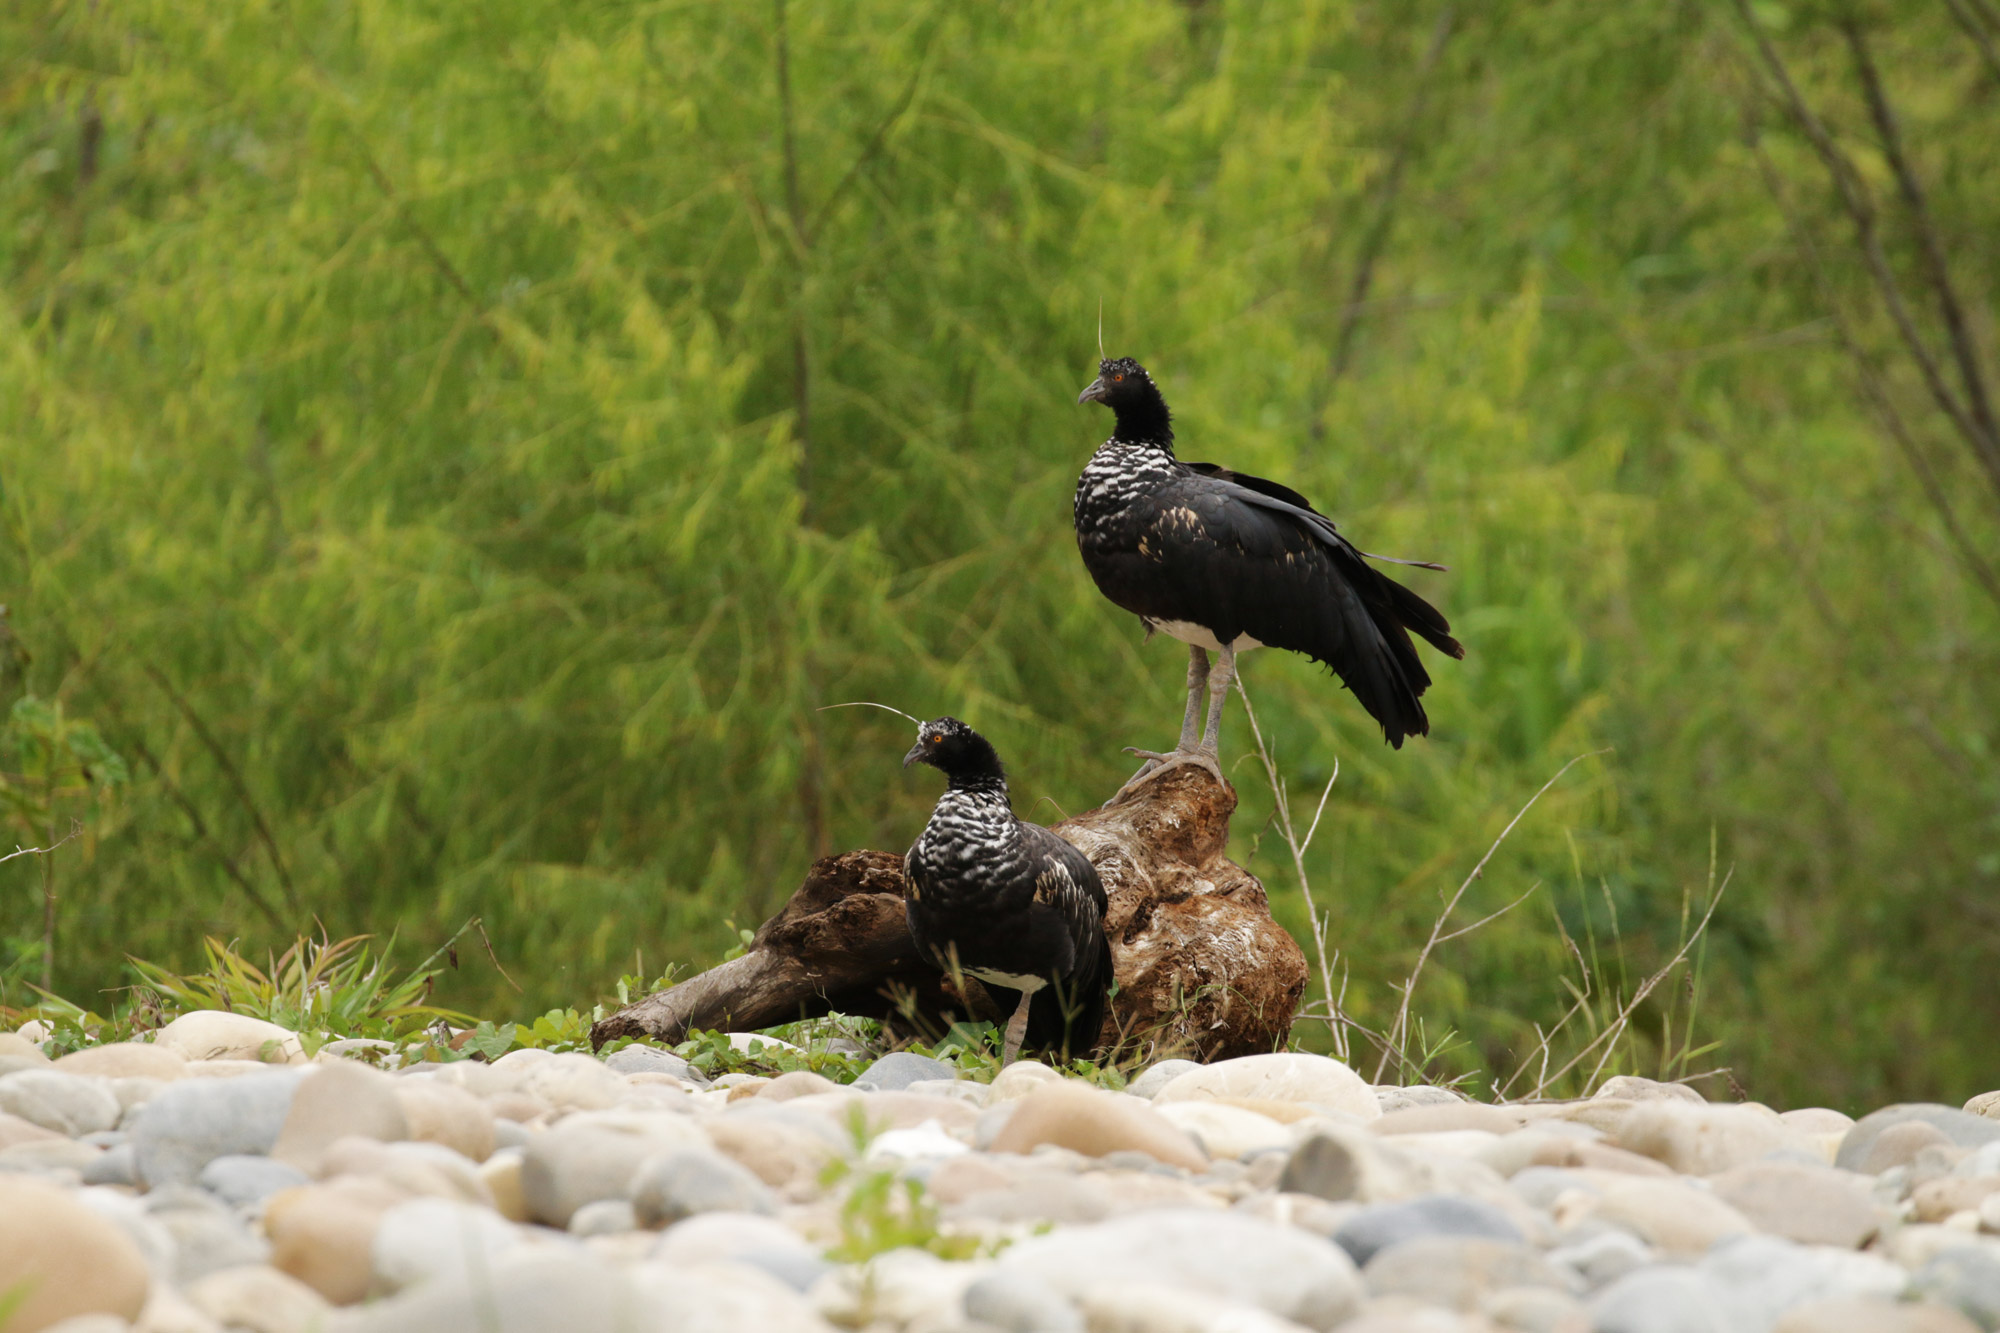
(1006, 901)
(1226, 562)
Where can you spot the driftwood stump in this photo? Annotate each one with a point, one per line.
(1202, 969)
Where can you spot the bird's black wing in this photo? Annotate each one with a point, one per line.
(1069, 1014)
(1237, 561)
(1406, 607)
(1287, 497)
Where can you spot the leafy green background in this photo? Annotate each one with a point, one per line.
(449, 451)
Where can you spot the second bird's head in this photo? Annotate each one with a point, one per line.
(1124, 386)
(954, 749)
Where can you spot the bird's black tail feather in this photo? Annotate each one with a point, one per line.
(1064, 1019)
(1379, 662)
(1417, 614)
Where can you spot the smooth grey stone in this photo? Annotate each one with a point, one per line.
(207, 1235)
(899, 1069)
(604, 1217)
(1158, 1076)
(105, 1138)
(114, 1166)
(1540, 1186)
(991, 1121)
(63, 1160)
(426, 1240)
(1963, 1129)
(1131, 1159)
(960, 1089)
(128, 1213)
(551, 1291)
(653, 1060)
(1020, 1303)
(194, 1121)
(1764, 1276)
(685, 1181)
(1381, 1225)
(1322, 1166)
(240, 1180)
(1968, 1280)
(1602, 1256)
(797, 1269)
(1663, 1300)
(14, 1064)
(133, 1093)
(69, 1104)
(1456, 1271)
(510, 1134)
(1232, 1256)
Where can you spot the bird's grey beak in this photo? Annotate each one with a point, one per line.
(916, 753)
(1095, 393)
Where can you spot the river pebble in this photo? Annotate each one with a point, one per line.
(217, 1181)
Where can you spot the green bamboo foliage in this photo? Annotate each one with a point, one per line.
(452, 452)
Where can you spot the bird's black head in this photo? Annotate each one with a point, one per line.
(1124, 386)
(956, 750)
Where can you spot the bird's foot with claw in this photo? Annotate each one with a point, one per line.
(1157, 764)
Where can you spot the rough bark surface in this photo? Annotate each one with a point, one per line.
(1201, 966)
(1202, 969)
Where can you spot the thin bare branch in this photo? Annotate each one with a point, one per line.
(1491, 916)
(1399, 1030)
(75, 831)
(1982, 40)
(1872, 385)
(1861, 213)
(1964, 351)
(235, 779)
(1283, 814)
(1608, 1038)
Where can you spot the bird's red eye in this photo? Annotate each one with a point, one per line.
(1117, 379)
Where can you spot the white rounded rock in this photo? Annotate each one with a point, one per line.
(69, 1104)
(428, 1240)
(575, 1082)
(1226, 1131)
(213, 1034)
(1231, 1257)
(1285, 1076)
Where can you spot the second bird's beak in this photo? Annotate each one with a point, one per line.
(916, 753)
(1093, 394)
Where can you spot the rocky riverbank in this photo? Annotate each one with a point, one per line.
(214, 1178)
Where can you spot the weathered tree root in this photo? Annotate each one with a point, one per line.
(1202, 969)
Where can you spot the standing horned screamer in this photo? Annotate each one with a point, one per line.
(1226, 562)
(1006, 901)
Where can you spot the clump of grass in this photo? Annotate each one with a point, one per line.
(1592, 1040)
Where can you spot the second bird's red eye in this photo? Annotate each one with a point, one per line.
(1117, 379)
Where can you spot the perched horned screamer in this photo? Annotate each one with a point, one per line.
(1226, 562)
(1007, 902)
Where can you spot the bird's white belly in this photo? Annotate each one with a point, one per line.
(1009, 980)
(1201, 636)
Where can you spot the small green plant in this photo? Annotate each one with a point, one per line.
(335, 986)
(714, 1055)
(881, 1210)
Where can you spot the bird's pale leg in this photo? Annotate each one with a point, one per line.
(1218, 694)
(1017, 1029)
(1187, 752)
(1197, 677)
